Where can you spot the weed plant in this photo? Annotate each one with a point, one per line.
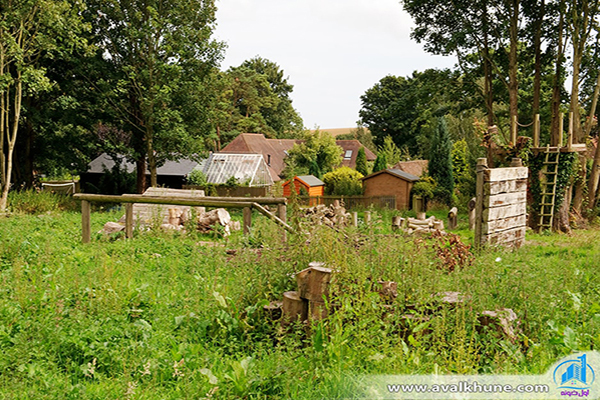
(166, 316)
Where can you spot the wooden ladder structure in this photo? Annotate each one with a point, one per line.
(550, 174)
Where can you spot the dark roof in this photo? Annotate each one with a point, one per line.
(169, 168)
(353, 145)
(395, 172)
(311, 180)
(414, 167)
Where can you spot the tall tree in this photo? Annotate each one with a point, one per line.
(361, 162)
(157, 47)
(440, 161)
(29, 29)
(317, 153)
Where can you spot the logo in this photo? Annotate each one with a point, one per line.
(574, 374)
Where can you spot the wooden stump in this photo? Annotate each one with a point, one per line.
(273, 310)
(452, 218)
(397, 223)
(293, 307)
(313, 282)
(503, 320)
(472, 204)
(367, 217)
(355, 219)
(247, 224)
(317, 310)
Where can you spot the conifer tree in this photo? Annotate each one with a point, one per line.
(361, 162)
(440, 162)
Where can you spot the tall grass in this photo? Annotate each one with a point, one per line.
(166, 316)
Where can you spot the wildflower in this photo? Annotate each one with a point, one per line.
(176, 365)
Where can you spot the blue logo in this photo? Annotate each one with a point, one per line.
(574, 374)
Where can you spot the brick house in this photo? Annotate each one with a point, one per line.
(390, 182)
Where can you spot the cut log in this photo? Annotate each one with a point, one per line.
(503, 320)
(452, 218)
(313, 282)
(317, 310)
(217, 216)
(294, 308)
(112, 227)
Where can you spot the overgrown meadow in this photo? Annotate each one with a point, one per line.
(180, 316)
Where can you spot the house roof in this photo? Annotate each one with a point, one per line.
(414, 167)
(310, 180)
(395, 172)
(169, 168)
(274, 151)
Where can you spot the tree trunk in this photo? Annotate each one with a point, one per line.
(594, 173)
(556, 86)
(513, 86)
(12, 139)
(561, 217)
(151, 157)
(537, 78)
(140, 168)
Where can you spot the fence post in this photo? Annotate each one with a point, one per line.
(282, 214)
(354, 219)
(128, 220)
(481, 167)
(247, 219)
(367, 217)
(86, 230)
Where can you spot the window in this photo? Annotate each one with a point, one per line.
(348, 155)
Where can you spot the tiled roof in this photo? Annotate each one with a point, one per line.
(396, 172)
(415, 167)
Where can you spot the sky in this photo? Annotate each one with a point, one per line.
(332, 51)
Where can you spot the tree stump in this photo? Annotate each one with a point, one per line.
(397, 223)
(452, 218)
(313, 282)
(294, 307)
(317, 310)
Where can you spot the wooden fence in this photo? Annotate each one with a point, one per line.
(350, 202)
(501, 204)
(246, 203)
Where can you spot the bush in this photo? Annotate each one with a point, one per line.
(343, 181)
(425, 188)
(197, 177)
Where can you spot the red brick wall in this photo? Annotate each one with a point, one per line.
(388, 185)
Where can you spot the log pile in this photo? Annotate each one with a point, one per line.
(334, 216)
(308, 302)
(417, 226)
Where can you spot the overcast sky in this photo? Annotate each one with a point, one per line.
(331, 50)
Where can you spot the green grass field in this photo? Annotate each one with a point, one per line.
(166, 316)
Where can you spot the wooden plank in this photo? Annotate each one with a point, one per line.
(511, 210)
(515, 185)
(247, 220)
(86, 229)
(504, 174)
(129, 220)
(232, 202)
(504, 236)
(481, 172)
(504, 199)
(500, 225)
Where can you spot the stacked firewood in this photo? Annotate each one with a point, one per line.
(334, 215)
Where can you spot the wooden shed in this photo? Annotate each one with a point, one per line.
(390, 182)
(311, 184)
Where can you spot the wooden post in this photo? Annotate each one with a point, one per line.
(86, 229)
(481, 167)
(282, 214)
(536, 131)
(471, 205)
(367, 217)
(128, 220)
(570, 137)
(452, 218)
(247, 220)
(516, 162)
(397, 222)
(419, 207)
(561, 122)
(354, 219)
(294, 307)
(513, 130)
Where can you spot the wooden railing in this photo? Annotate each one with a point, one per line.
(246, 203)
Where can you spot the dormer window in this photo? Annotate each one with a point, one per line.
(348, 155)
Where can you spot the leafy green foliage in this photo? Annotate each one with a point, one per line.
(316, 155)
(343, 181)
(424, 187)
(381, 162)
(197, 177)
(361, 162)
(440, 163)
